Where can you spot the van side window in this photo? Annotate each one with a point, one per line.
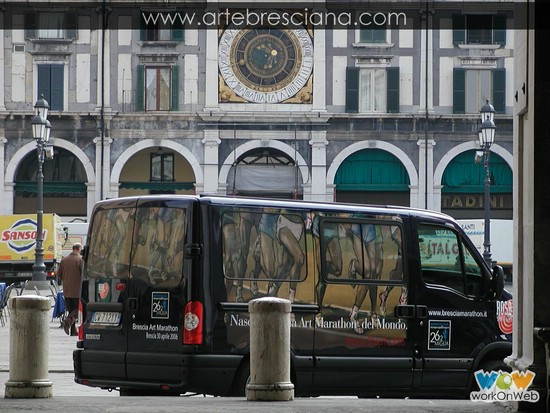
(110, 243)
(366, 254)
(360, 251)
(265, 248)
(447, 261)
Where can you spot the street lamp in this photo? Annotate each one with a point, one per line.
(486, 137)
(41, 133)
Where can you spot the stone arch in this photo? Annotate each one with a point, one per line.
(149, 143)
(22, 152)
(257, 143)
(457, 150)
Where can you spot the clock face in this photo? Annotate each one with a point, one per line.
(265, 65)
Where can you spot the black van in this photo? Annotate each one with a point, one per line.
(386, 301)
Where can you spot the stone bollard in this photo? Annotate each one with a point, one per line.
(29, 340)
(270, 350)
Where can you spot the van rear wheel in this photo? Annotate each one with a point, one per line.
(238, 387)
(142, 392)
(129, 392)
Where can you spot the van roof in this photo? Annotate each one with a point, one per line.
(280, 203)
(373, 208)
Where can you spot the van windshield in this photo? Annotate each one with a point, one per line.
(447, 261)
(144, 242)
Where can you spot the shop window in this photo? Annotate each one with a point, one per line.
(162, 167)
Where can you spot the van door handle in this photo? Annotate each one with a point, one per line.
(422, 311)
(132, 304)
(405, 311)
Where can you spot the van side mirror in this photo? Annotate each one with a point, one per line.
(497, 283)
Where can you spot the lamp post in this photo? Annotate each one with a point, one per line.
(486, 139)
(41, 134)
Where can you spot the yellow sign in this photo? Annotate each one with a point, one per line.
(18, 237)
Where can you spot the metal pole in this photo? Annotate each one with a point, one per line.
(487, 212)
(39, 268)
(425, 14)
(102, 107)
(427, 117)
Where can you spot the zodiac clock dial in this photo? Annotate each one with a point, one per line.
(265, 65)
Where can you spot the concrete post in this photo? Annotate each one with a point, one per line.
(29, 340)
(270, 350)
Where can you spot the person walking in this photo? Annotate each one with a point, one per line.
(70, 272)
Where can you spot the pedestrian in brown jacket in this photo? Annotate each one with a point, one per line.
(70, 272)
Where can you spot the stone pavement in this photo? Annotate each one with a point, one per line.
(69, 396)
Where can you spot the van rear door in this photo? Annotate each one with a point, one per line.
(137, 289)
(156, 295)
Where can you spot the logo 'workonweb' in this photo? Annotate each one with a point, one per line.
(502, 386)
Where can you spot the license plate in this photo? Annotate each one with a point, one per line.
(109, 318)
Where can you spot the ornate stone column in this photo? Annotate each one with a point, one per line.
(211, 142)
(103, 179)
(319, 144)
(425, 198)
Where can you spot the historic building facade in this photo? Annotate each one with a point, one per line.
(141, 104)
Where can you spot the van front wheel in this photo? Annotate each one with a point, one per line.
(238, 388)
(495, 365)
(488, 366)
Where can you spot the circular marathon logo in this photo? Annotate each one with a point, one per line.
(505, 316)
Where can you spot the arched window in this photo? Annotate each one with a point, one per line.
(64, 186)
(372, 176)
(464, 174)
(463, 187)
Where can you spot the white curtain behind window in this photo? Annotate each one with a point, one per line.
(372, 90)
(273, 178)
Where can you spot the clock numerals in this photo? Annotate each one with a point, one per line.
(265, 65)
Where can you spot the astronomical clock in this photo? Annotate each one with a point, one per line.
(265, 65)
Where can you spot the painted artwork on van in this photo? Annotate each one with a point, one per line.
(351, 267)
(111, 245)
(144, 243)
(157, 252)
